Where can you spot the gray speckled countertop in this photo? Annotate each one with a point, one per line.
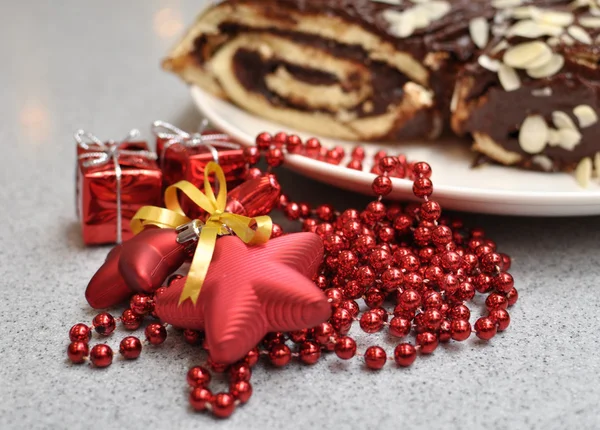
(73, 64)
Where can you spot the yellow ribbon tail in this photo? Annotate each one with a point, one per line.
(159, 217)
(200, 264)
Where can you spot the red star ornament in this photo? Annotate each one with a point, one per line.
(250, 291)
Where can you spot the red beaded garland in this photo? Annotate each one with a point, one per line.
(431, 264)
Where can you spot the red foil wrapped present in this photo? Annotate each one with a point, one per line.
(114, 179)
(183, 156)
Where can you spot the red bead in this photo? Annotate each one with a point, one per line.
(451, 260)
(299, 336)
(371, 322)
(490, 262)
(312, 147)
(304, 210)
(274, 338)
(512, 296)
(432, 319)
(365, 276)
(276, 231)
(293, 144)
(345, 348)
(280, 139)
(199, 397)
(240, 372)
(78, 351)
(141, 304)
(334, 156)
(391, 279)
(253, 173)
(465, 291)
(496, 301)
(388, 164)
(130, 348)
(323, 332)
(382, 186)
(386, 234)
(351, 306)
(441, 235)
(405, 354)
(482, 250)
(241, 390)
(427, 341)
(341, 320)
(444, 334)
(422, 187)
(403, 223)
(460, 330)
(192, 337)
(421, 170)
(433, 300)
(354, 165)
(503, 283)
(501, 318)
(283, 201)
(325, 212)
(156, 333)
(223, 405)
(292, 211)
(280, 355)
(379, 259)
(101, 355)
(263, 141)
(376, 211)
(309, 352)
(347, 260)
(252, 357)
(482, 283)
(80, 333)
(274, 157)
(399, 327)
(104, 323)
(325, 230)
(358, 153)
(131, 320)
(460, 312)
(375, 357)
(333, 243)
(374, 298)
(430, 211)
(449, 283)
(198, 376)
(485, 328)
(506, 262)
(334, 296)
(252, 155)
(410, 300)
(434, 274)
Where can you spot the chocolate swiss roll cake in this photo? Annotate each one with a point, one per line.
(519, 77)
(532, 97)
(350, 69)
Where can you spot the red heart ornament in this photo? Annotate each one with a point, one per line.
(250, 291)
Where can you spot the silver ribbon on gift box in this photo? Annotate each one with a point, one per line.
(173, 135)
(102, 153)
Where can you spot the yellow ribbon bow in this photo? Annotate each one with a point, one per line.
(252, 231)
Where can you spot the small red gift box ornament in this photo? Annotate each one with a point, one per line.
(184, 156)
(114, 180)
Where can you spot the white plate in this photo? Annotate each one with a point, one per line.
(486, 189)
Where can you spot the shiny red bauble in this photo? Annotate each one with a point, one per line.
(501, 318)
(240, 372)
(198, 376)
(155, 333)
(375, 357)
(399, 327)
(131, 320)
(200, 397)
(427, 341)
(223, 405)
(78, 351)
(101, 355)
(485, 328)
(371, 322)
(309, 352)
(405, 354)
(241, 390)
(141, 304)
(80, 333)
(252, 357)
(130, 348)
(345, 348)
(104, 323)
(280, 355)
(460, 329)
